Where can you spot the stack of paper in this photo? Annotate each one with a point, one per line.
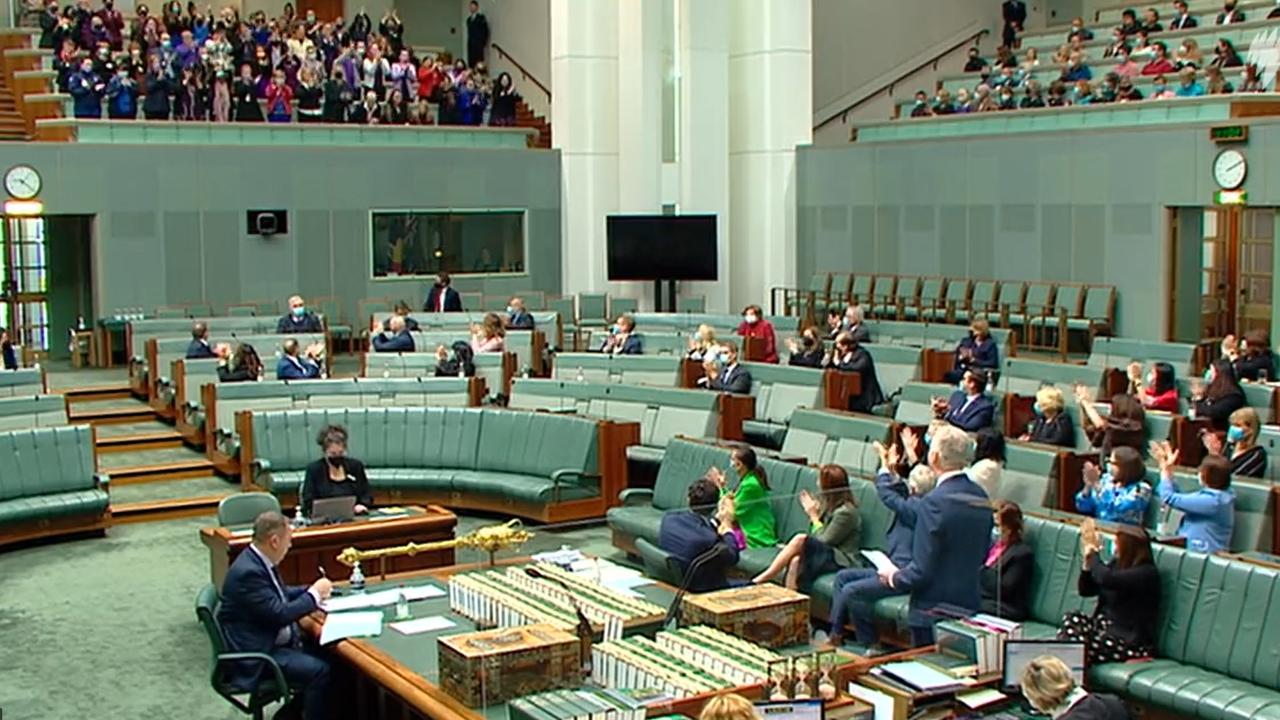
(338, 626)
(381, 598)
(920, 677)
(433, 623)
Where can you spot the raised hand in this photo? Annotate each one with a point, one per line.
(1092, 475)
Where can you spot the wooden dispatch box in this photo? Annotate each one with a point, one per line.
(768, 615)
(493, 666)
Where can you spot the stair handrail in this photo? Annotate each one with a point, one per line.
(890, 85)
(525, 74)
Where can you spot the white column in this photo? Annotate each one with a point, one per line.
(704, 128)
(771, 101)
(584, 121)
(639, 114)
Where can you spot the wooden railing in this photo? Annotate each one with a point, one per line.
(524, 74)
(890, 86)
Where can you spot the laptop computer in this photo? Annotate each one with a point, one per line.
(333, 509)
(1019, 653)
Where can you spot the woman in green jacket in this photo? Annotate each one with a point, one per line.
(750, 500)
(835, 532)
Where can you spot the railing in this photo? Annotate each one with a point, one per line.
(889, 86)
(524, 74)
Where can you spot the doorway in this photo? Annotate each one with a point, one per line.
(1236, 270)
(46, 280)
(326, 10)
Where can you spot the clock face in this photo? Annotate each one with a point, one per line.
(22, 182)
(1229, 169)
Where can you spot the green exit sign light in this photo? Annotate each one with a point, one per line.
(1231, 197)
(1229, 134)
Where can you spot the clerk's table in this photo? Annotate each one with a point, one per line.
(318, 545)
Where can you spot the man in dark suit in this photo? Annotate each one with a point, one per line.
(726, 376)
(623, 339)
(199, 347)
(477, 34)
(950, 541)
(394, 337)
(849, 356)
(259, 613)
(968, 409)
(297, 363)
(702, 528)
(517, 317)
(855, 324)
(298, 320)
(1229, 14)
(1015, 19)
(402, 309)
(442, 297)
(1182, 19)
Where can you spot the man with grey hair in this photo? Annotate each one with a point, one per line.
(260, 614)
(298, 319)
(395, 337)
(949, 542)
(855, 323)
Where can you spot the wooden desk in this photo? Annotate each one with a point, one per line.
(1185, 438)
(936, 364)
(838, 386)
(315, 547)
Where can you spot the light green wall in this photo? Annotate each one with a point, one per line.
(170, 224)
(1071, 206)
(1187, 277)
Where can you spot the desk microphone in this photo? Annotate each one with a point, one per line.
(585, 633)
(671, 620)
(862, 456)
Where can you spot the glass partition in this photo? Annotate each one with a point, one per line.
(414, 243)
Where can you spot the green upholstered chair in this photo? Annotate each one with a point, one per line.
(171, 311)
(242, 310)
(658, 563)
(244, 508)
(955, 300)
(691, 304)
(838, 293)
(882, 294)
(271, 686)
(929, 301)
(622, 305)
(860, 289)
(593, 309)
(982, 302)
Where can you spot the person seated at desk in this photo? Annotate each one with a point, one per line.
(849, 356)
(724, 374)
(442, 297)
(750, 499)
(1006, 575)
(754, 326)
(808, 352)
(968, 409)
(855, 323)
(728, 706)
(335, 474)
(455, 361)
(8, 350)
(703, 343)
(489, 336)
(1248, 458)
(1124, 623)
(394, 337)
(1159, 391)
(950, 542)
(517, 317)
(402, 310)
(259, 613)
(199, 348)
(622, 339)
(1122, 494)
(978, 350)
(1255, 362)
(1209, 513)
(240, 365)
(857, 589)
(705, 528)
(835, 324)
(1125, 426)
(298, 320)
(835, 529)
(1050, 688)
(296, 364)
(1052, 425)
(1221, 396)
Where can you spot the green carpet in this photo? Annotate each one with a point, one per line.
(104, 628)
(138, 428)
(113, 460)
(172, 490)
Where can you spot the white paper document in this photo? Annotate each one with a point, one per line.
(421, 625)
(879, 560)
(338, 626)
(382, 598)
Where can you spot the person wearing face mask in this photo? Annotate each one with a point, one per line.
(808, 352)
(848, 355)
(1220, 396)
(723, 373)
(456, 361)
(113, 24)
(48, 25)
(122, 96)
(1160, 88)
(1229, 14)
(968, 408)
(337, 98)
(86, 90)
(1158, 391)
(1121, 494)
(1006, 101)
(442, 297)
(754, 326)
(244, 99)
(978, 350)
(975, 62)
(158, 104)
(1208, 514)
(622, 339)
(298, 320)
(1256, 362)
(1052, 426)
(922, 107)
(1248, 458)
(1079, 30)
(336, 474)
(1160, 63)
(517, 317)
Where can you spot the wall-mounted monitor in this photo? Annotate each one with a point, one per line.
(661, 247)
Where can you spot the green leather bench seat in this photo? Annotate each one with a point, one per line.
(140, 331)
(915, 404)
(780, 391)
(1030, 475)
(489, 367)
(658, 370)
(18, 413)
(1024, 377)
(47, 474)
(531, 458)
(896, 365)
(23, 382)
(1115, 352)
(725, 325)
(834, 437)
(548, 321)
(652, 342)
(171, 348)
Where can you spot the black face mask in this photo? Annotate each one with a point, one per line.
(336, 461)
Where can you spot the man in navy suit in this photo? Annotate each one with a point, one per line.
(623, 339)
(394, 337)
(199, 347)
(689, 533)
(298, 319)
(442, 297)
(968, 409)
(517, 317)
(731, 378)
(259, 613)
(950, 541)
(295, 364)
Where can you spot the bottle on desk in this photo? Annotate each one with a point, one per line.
(402, 605)
(580, 377)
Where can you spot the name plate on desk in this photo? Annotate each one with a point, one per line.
(767, 615)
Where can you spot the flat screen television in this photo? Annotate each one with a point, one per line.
(661, 247)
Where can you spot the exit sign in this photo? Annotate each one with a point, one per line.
(1229, 134)
(1231, 197)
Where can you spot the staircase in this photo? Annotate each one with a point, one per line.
(527, 118)
(12, 127)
